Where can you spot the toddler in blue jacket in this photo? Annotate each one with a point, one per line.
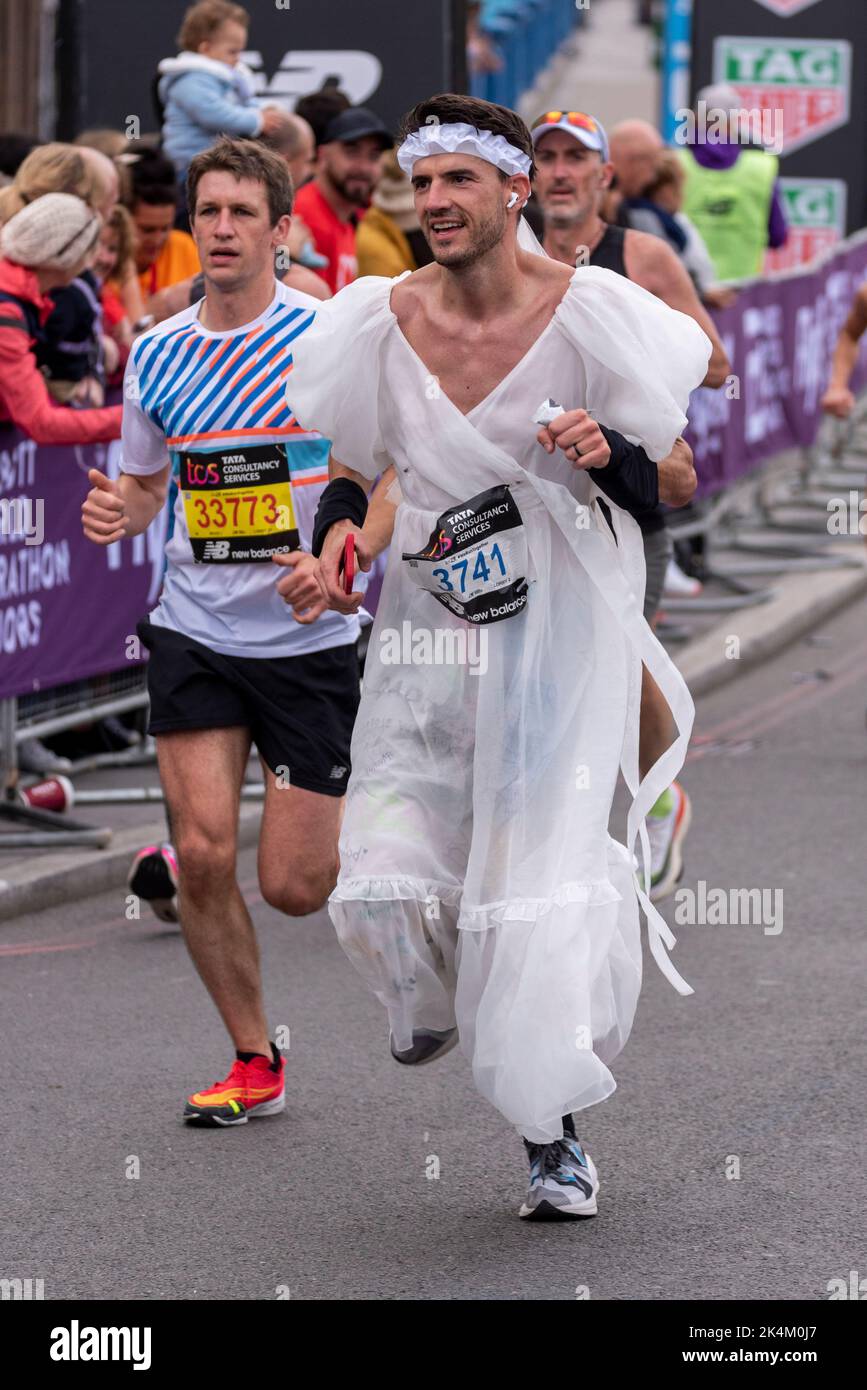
(206, 91)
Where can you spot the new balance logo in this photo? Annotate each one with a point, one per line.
(337, 772)
(215, 550)
(304, 70)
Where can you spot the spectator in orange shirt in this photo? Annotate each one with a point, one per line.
(349, 161)
(164, 255)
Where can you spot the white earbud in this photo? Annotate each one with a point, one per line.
(512, 200)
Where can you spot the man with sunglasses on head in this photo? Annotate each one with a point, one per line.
(574, 171)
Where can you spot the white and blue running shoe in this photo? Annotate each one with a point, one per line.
(563, 1181)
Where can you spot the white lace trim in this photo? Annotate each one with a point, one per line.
(593, 894)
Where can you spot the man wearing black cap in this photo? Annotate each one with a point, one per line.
(348, 167)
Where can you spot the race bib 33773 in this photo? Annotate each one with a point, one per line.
(238, 504)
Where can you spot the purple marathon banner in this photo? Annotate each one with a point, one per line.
(68, 609)
(780, 335)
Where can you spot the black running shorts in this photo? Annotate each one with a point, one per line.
(299, 709)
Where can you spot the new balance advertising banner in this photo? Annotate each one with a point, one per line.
(803, 59)
(383, 55)
(779, 335)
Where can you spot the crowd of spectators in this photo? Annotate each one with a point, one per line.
(66, 327)
(71, 306)
(95, 242)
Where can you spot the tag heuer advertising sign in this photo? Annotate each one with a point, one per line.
(816, 213)
(806, 79)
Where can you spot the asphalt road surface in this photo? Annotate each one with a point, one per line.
(732, 1155)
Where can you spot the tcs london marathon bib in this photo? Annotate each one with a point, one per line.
(475, 562)
(238, 504)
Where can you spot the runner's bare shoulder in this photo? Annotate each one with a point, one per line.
(407, 296)
(646, 254)
(554, 272)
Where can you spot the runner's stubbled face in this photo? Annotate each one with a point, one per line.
(569, 180)
(461, 201)
(232, 229)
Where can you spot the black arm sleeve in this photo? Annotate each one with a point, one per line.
(341, 500)
(631, 479)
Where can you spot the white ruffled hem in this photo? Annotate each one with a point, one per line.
(430, 895)
(396, 888)
(543, 991)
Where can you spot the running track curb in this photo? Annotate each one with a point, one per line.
(803, 601)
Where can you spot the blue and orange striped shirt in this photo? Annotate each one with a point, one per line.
(189, 392)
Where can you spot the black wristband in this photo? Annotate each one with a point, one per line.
(341, 500)
(630, 479)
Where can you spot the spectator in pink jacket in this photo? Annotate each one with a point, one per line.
(45, 245)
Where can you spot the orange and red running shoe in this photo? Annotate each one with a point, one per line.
(251, 1088)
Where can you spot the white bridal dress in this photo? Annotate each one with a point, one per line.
(479, 883)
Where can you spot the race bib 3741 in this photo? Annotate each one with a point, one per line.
(475, 562)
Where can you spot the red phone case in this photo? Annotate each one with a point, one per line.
(348, 563)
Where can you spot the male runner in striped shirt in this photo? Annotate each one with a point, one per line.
(241, 649)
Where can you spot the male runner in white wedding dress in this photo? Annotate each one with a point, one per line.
(480, 893)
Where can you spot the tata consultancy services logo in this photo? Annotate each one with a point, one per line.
(786, 7)
(807, 79)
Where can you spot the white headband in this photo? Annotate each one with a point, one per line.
(460, 138)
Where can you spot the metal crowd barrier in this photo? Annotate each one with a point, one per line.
(67, 708)
(763, 519)
(40, 715)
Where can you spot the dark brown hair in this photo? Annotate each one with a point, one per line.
(151, 179)
(451, 107)
(202, 21)
(244, 159)
(319, 108)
